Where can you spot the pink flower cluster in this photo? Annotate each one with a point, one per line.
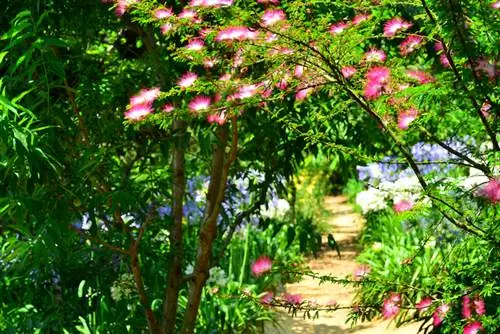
(262, 265)
(294, 299)
(218, 118)
(491, 190)
(123, 5)
(424, 304)
(348, 71)
(267, 298)
(443, 59)
(391, 305)
(338, 27)
(141, 104)
(195, 44)
(405, 117)
(362, 272)
(377, 82)
(187, 79)
(485, 66)
(393, 26)
(273, 16)
(210, 3)
(475, 305)
(375, 55)
(469, 307)
(238, 33)
(403, 205)
(199, 103)
(439, 314)
(410, 44)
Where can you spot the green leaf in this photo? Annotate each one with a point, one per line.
(21, 137)
(2, 55)
(80, 289)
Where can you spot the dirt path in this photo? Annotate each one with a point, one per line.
(346, 226)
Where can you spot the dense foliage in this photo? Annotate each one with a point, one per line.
(156, 160)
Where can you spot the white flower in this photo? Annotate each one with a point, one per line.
(275, 209)
(408, 184)
(371, 200)
(86, 222)
(217, 277)
(377, 246)
(189, 269)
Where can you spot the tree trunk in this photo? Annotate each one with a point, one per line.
(218, 179)
(174, 280)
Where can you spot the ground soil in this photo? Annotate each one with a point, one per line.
(345, 225)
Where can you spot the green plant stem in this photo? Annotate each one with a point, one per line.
(245, 257)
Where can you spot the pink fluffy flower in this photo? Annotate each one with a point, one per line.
(138, 112)
(215, 3)
(466, 307)
(491, 190)
(337, 28)
(302, 93)
(188, 14)
(360, 18)
(246, 91)
(163, 13)
(439, 314)
(225, 77)
(282, 84)
(187, 79)
(410, 44)
(421, 76)
(199, 103)
(168, 107)
(379, 74)
(145, 96)
(123, 5)
(262, 265)
(298, 72)
(403, 205)
(273, 16)
(377, 81)
(444, 60)
(478, 306)
(394, 25)
(195, 44)
(405, 117)
(424, 304)
(165, 28)
(495, 5)
(209, 62)
(375, 55)
(361, 272)
(236, 33)
(294, 299)
(391, 305)
(487, 67)
(348, 71)
(267, 298)
(219, 118)
(473, 328)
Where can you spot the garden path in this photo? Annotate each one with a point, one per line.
(345, 225)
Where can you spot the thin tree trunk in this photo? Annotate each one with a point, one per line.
(174, 280)
(208, 230)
